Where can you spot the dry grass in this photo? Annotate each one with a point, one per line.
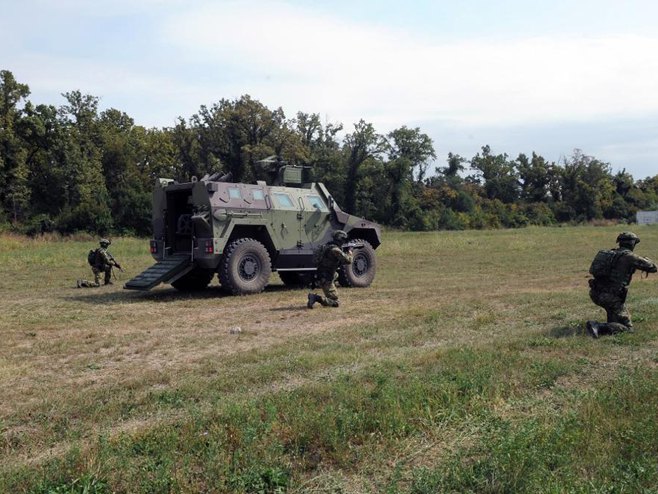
(76, 364)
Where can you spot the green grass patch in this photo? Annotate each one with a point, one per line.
(464, 368)
(605, 443)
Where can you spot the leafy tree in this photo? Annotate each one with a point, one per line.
(371, 202)
(535, 177)
(408, 149)
(500, 178)
(188, 147)
(454, 168)
(157, 154)
(87, 205)
(118, 153)
(239, 133)
(128, 187)
(75, 169)
(587, 186)
(14, 188)
(359, 147)
(624, 183)
(415, 147)
(648, 189)
(324, 151)
(454, 193)
(43, 136)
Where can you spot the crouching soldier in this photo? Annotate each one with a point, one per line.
(330, 259)
(612, 270)
(101, 261)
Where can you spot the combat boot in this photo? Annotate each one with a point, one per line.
(593, 328)
(312, 298)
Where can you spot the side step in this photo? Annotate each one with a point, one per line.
(167, 270)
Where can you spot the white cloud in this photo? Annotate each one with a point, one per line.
(159, 59)
(90, 76)
(301, 60)
(99, 8)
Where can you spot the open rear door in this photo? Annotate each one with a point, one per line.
(166, 271)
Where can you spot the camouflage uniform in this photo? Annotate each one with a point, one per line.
(610, 293)
(104, 264)
(332, 258)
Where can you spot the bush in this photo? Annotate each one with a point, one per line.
(540, 214)
(38, 225)
(449, 220)
(86, 217)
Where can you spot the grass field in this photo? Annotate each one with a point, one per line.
(463, 368)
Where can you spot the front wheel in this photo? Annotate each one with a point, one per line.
(362, 271)
(245, 267)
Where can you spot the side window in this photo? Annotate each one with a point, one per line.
(258, 195)
(283, 200)
(234, 193)
(316, 202)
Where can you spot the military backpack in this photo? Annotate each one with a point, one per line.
(318, 253)
(92, 256)
(603, 263)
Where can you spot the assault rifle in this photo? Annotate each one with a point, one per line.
(116, 264)
(353, 245)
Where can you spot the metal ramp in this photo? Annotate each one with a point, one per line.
(169, 269)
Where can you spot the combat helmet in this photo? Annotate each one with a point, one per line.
(105, 242)
(340, 236)
(628, 238)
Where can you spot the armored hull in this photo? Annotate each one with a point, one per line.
(244, 232)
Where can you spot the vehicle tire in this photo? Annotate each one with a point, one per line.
(245, 267)
(195, 280)
(362, 271)
(296, 279)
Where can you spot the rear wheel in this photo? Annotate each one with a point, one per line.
(245, 267)
(197, 279)
(362, 271)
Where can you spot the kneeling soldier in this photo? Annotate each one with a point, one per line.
(331, 258)
(101, 261)
(613, 270)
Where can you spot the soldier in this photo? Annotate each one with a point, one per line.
(101, 261)
(613, 270)
(331, 258)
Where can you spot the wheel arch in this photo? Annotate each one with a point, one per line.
(368, 234)
(257, 232)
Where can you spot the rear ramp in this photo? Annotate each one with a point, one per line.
(166, 271)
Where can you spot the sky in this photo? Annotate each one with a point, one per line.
(519, 76)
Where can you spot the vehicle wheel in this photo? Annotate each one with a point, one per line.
(245, 267)
(197, 279)
(296, 279)
(362, 271)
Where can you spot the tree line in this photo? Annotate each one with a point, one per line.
(75, 168)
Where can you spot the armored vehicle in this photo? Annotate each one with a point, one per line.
(244, 232)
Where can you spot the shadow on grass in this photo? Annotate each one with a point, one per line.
(98, 296)
(290, 308)
(566, 331)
